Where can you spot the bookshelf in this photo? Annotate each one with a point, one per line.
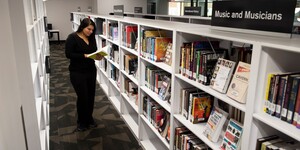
(269, 54)
(38, 46)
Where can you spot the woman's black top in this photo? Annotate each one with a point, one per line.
(75, 49)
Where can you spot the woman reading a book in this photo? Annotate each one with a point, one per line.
(83, 71)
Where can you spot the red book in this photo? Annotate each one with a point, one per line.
(129, 30)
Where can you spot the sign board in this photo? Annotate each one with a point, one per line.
(192, 11)
(119, 10)
(138, 9)
(264, 15)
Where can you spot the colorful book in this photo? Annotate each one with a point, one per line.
(233, 134)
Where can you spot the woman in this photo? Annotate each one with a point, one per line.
(83, 71)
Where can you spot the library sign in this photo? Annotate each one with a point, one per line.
(119, 10)
(265, 15)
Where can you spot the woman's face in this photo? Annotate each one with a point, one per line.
(87, 31)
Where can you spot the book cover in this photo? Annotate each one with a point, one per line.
(102, 51)
(201, 109)
(215, 124)
(238, 87)
(233, 134)
(160, 48)
(222, 75)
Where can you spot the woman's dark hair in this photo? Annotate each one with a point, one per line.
(83, 24)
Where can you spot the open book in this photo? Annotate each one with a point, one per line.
(102, 51)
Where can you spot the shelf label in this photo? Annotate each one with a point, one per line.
(192, 11)
(119, 10)
(264, 15)
(138, 9)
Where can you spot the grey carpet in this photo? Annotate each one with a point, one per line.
(111, 133)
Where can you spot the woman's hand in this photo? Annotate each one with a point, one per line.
(99, 57)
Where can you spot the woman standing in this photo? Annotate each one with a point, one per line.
(83, 71)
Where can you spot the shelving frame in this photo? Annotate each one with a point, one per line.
(269, 54)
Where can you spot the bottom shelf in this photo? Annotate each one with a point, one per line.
(116, 102)
(133, 126)
(151, 144)
(163, 140)
(198, 129)
(279, 125)
(104, 88)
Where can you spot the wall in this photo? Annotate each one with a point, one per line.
(58, 13)
(11, 128)
(162, 7)
(106, 6)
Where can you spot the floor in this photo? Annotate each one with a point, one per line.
(111, 133)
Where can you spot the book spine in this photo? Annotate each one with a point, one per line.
(297, 107)
(286, 99)
(282, 87)
(268, 92)
(292, 101)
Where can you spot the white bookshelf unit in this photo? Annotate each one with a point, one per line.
(38, 49)
(269, 54)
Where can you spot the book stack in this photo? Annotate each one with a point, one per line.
(198, 59)
(158, 81)
(274, 142)
(154, 44)
(282, 97)
(156, 115)
(196, 105)
(184, 139)
(129, 35)
(130, 63)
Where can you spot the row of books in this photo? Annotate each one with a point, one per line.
(282, 98)
(154, 44)
(196, 105)
(186, 140)
(131, 90)
(158, 81)
(131, 64)
(157, 116)
(129, 36)
(114, 74)
(198, 59)
(113, 53)
(274, 142)
(113, 31)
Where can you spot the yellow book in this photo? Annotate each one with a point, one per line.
(102, 51)
(270, 76)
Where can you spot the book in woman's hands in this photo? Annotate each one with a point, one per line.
(102, 52)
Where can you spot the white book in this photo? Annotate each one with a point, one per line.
(238, 87)
(215, 124)
(222, 75)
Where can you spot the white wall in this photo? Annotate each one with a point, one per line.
(106, 6)
(11, 128)
(58, 13)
